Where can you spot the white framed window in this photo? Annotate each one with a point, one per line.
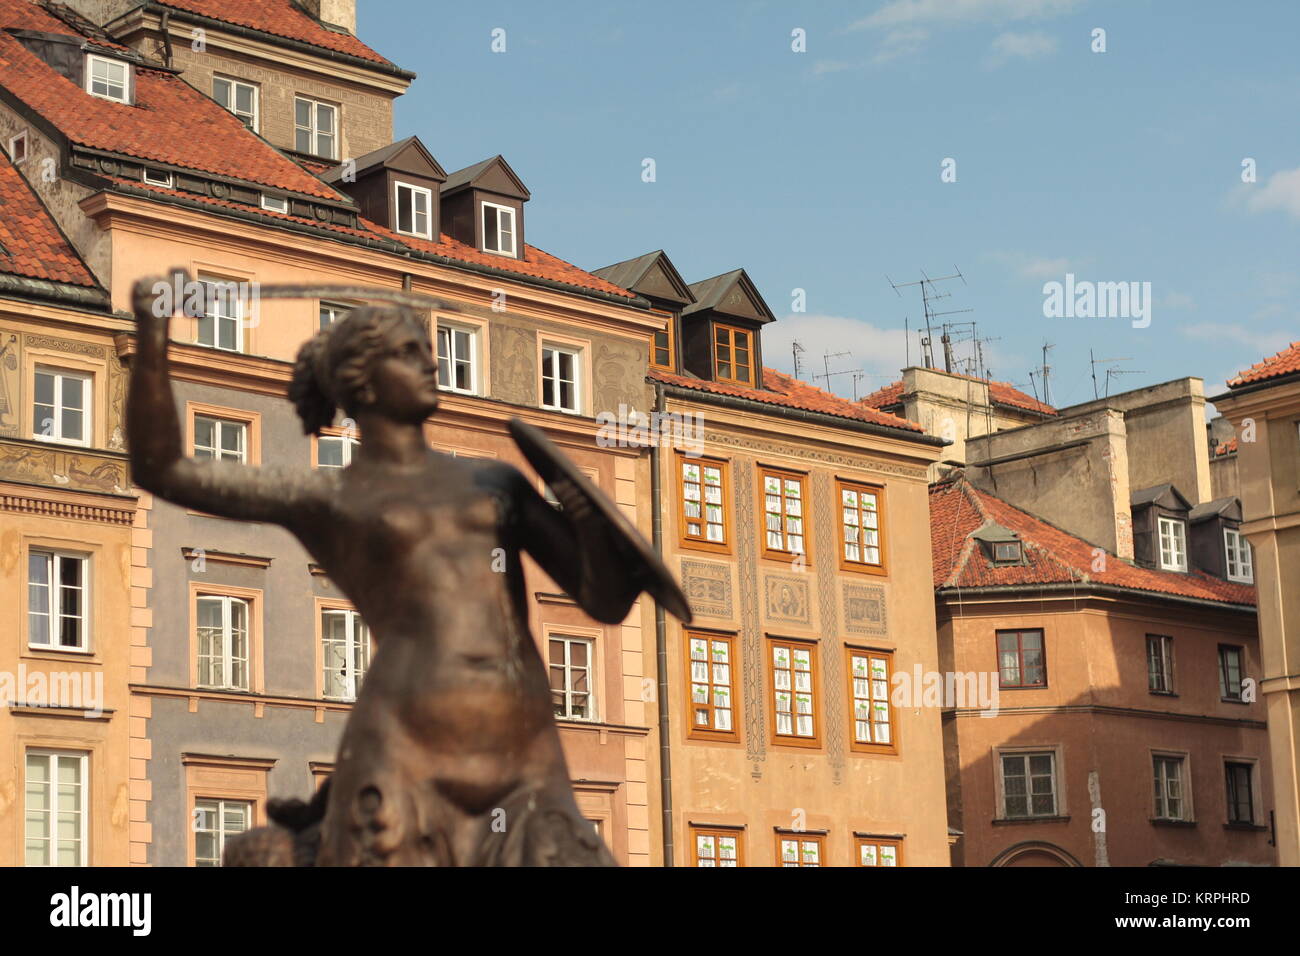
(220, 439)
(332, 312)
(18, 148)
(1169, 794)
(57, 811)
(1173, 544)
(315, 127)
(498, 229)
(214, 821)
(157, 177)
(239, 98)
(108, 79)
(1028, 785)
(457, 358)
(414, 205)
(560, 380)
(223, 641)
(345, 653)
(335, 451)
(221, 326)
(57, 588)
(275, 203)
(571, 666)
(61, 406)
(1240, 566)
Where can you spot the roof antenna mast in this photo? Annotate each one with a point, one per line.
(930, 294)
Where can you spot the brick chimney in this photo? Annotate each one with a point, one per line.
(339, 13)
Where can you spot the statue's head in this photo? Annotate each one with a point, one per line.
(376, 359)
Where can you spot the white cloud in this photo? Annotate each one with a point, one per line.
(907, 12)
(899, 43)
(1033, 267)
(1282, 191)
(881, 353)
(1019, 46)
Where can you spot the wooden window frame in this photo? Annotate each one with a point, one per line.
(1238, 553)
(717, 832)
(91, 60)
(1020, 656)
(15, 141)
(732, 331)
(892, 748)
(1224, 695)
(692, 731)
(56, 556)
(861, 840)
(1229, 764)
(594, 674)
(254, 597)
(670, 331)
(240, 317)
(59, 375)
(220, 820)
(252, 422)
(1166, 659)
(802, 836)
(1058, 790)
(314, 128)
(581, 351)
(773, 554)
(769, 668)
(847, 564)
(497, 208)
(1184, 784)
(324, 606)
(1179, 539)
(693, 542)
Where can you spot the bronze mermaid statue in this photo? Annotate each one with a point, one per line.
(451, 755)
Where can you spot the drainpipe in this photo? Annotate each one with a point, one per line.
(661, 647)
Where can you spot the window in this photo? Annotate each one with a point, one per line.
(1028, 785)
(711, 660)
(332, 312)
(661, 345)
(239, 98)
(1020, 659)
(559, 378)
(61, 406)
(457, 353)
(56, 601)
(275, 203)
(219, 439)
(107, 79)
(57, 810)
(878, 851)
(783, 506)
(214, 821)
(345, 652)
(223, 642)
(414, 204)
(1230, 672)
(1173, 544)
(861, 528)
(1008, 552)
(1168, 778)
(702, 493)
(315, 127)
(1241, 792)
(571, 677)
(799, 849)
(157, 177)
(872, 714)
(733, 356)
(1160, 664)
(794, 693)
(1240, 566)
(221, 324)
(717, 847)
(498, 229)
(18, 148)
(335, 451)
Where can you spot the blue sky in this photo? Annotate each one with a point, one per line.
(820, 170)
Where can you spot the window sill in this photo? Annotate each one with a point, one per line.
(39, 652)
(1022, 687)
(1163, 693)
(1249, 827)
(1234, 700)
(1164, 822)
(1012, 821)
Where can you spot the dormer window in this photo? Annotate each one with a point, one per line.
(18, 148)
(157, 177)
(1008, 552)
(498, 229)
(661, 345)
(275, 203)
(1240, 567)
(1173, 544)
(108, 79)
(733, 355)
(413, 206)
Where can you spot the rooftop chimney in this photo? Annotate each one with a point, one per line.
(339, 13)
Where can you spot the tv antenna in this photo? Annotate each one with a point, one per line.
(1045, 371)
(1111, 372)
(930, 294)
(797, 349)
(857, 373)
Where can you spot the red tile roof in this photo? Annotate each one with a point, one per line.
(782, 389)
(1053, 556)
(279, 18)
(1223, 448)
(1000, 393)
(170, 122)
(1285, 362)
(31, 245)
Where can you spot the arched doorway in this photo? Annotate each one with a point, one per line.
(1034, 853)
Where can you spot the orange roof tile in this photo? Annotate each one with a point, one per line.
(279, 18)
(1000, 393)
(1223, 448)
(1284, 362)
(1052, 556)
(782, 389)
(31, 244)
(170, 122)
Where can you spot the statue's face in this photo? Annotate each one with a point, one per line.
(403, 376)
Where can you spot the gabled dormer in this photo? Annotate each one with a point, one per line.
(1218, 546)
(653, 277)
(102, 71)
(483, 207)
(720, 330)
(1160, 528)
(397, 187)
